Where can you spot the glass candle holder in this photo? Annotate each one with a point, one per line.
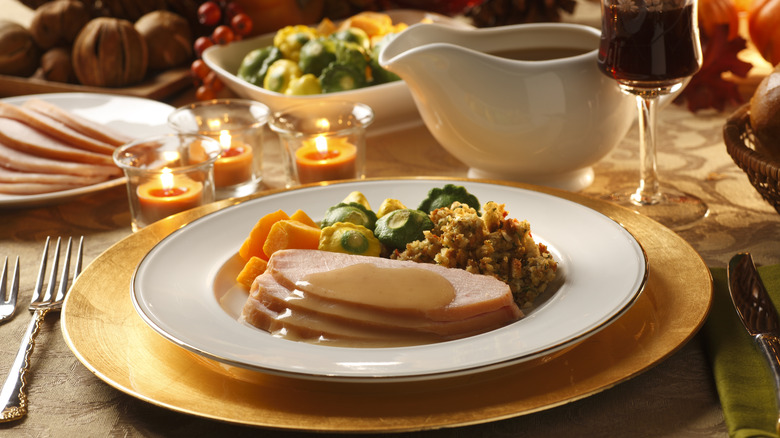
(167, 174)
(323, 141)
(238, 126)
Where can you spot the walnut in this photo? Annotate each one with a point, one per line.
(109, 52)
(168, 39)
(57, 23)
(18, 51)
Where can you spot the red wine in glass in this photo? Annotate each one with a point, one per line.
(648, 45)
(651, 48)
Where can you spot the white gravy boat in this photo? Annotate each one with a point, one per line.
(542, 122)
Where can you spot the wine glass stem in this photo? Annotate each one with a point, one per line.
(649, 191)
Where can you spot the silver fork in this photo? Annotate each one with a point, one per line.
(8, 305)
(13, 395)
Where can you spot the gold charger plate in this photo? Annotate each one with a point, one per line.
(107, 335)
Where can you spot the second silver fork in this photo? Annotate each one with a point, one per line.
(8, 305)
(13, 395)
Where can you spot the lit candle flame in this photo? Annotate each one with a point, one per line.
(321, 143)
(224, 139)
(166, 179)
(214, 124)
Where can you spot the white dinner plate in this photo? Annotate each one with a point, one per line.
(133, 116)
(178, 291)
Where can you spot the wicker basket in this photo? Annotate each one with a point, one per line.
(741, 145)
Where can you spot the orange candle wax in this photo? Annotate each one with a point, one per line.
(325, 159)
(234, 166)
(169, 194)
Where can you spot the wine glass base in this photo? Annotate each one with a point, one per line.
(673, 209)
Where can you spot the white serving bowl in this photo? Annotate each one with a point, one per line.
(392, 103)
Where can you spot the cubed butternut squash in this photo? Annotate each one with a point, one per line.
(290, 234)
(301, 216)
(254, 267)
(253, 245)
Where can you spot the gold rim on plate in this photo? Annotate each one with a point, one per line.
(104, 331)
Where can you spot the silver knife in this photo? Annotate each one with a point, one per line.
(757, 313)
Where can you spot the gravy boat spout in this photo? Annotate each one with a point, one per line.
(522, 103)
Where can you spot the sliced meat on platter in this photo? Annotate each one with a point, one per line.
(24, 162)
(44, 148)
(34, 188)
(54, 128)
(25, 138)
(12, 176)
(341, 299)
(83, 125)
(26, 183)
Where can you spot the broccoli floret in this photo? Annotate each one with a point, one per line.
(351, 212)
(341, 77)
(316, 55)
(445, 196)
(402, 226)
(255, 64)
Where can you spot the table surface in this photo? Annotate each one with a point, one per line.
(676, 398)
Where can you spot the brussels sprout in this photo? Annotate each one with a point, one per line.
(402, 226)
(341, 77)
(351, 212)
(280, 74)
(445, 196)
(255, 64)
(316, 55)
(349, 238)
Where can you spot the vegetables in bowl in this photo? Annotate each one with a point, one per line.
(324, 59)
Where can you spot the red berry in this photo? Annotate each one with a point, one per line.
(199, 69)
(223, 35)
(241, 23)
(209, 13)
(232, 9)
(209, 79)
(204, 93)
(201, 44)
(217, 85)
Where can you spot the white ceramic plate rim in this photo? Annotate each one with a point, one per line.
(134, 116)
(602, 272)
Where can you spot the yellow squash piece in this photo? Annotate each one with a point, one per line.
(349, 238)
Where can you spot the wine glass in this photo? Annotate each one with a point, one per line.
(651, 48)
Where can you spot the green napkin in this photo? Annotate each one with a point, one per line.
(742, 377)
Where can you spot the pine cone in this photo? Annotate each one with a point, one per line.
(490, 13)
